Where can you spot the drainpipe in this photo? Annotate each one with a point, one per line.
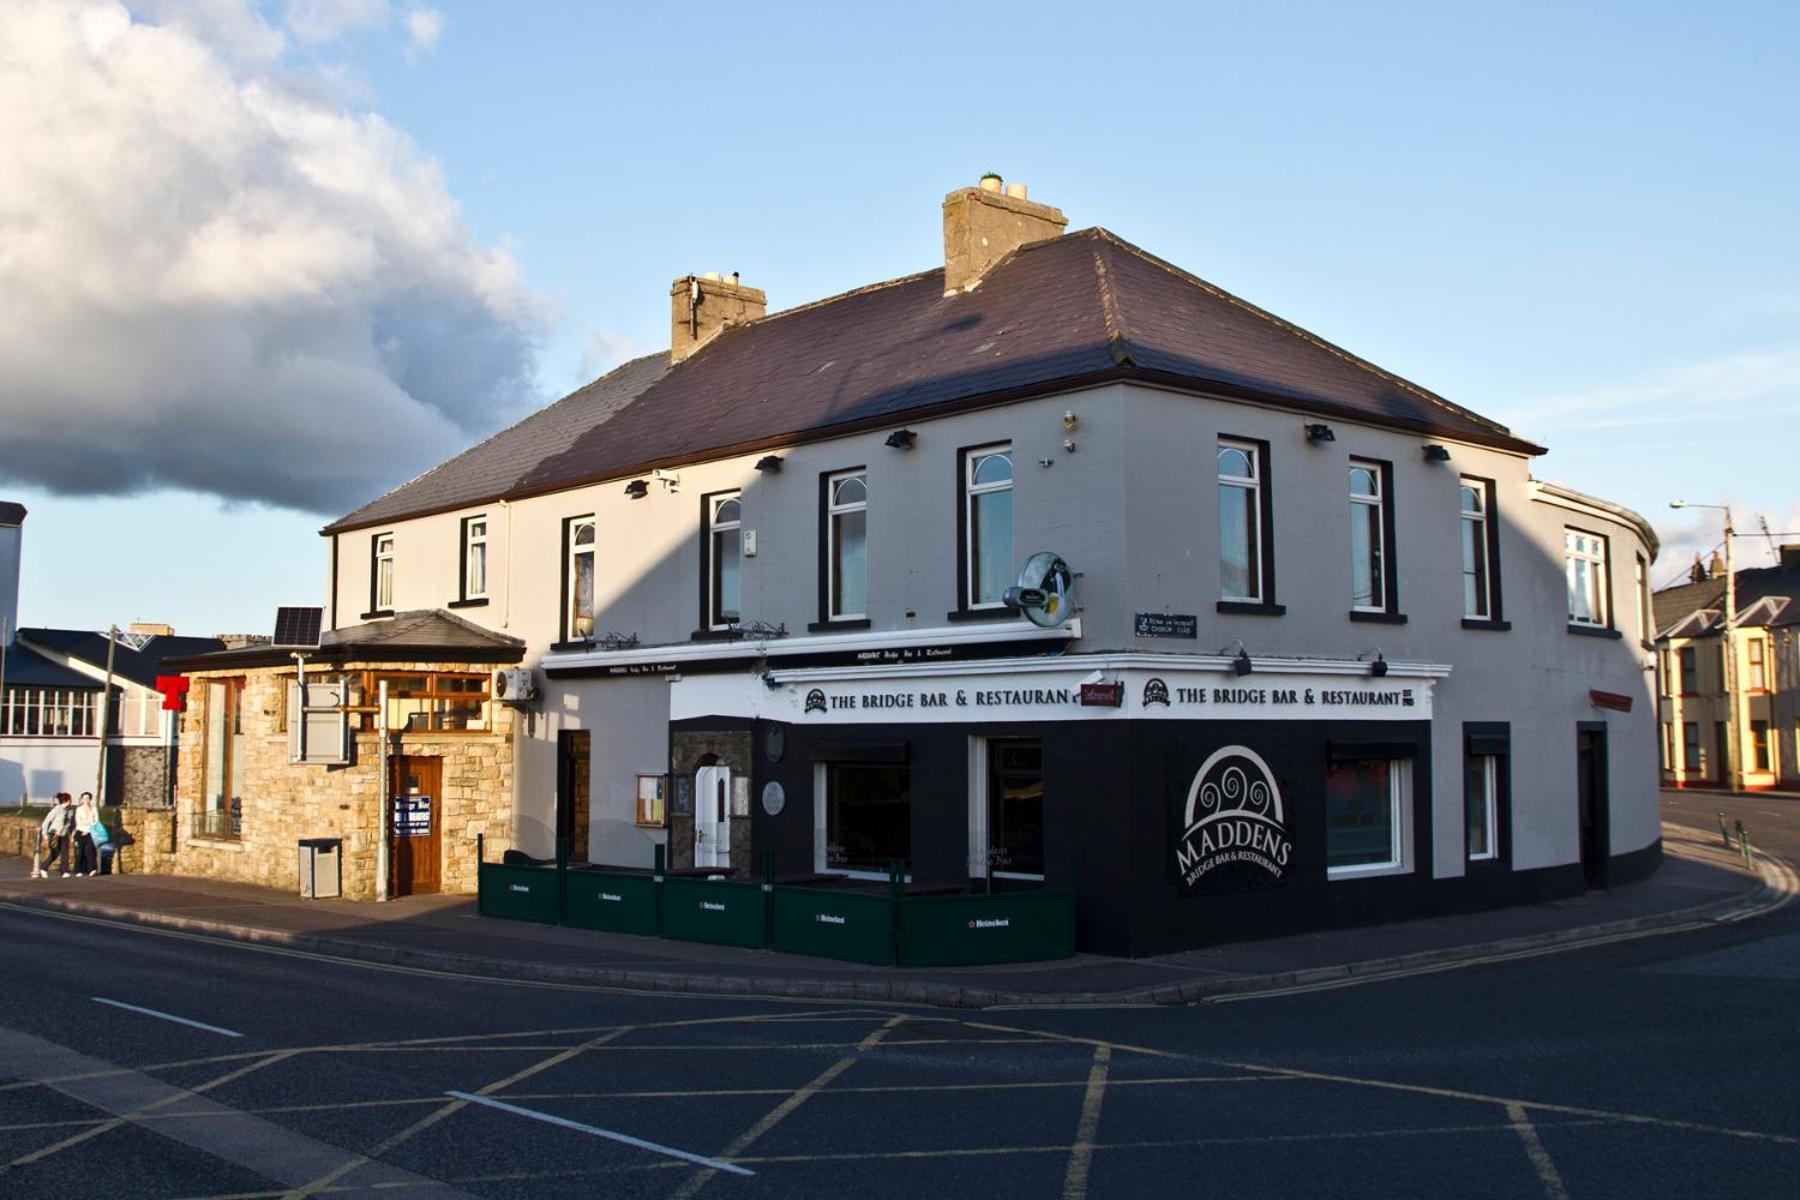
(112, 642)
(381, 826)
(506, 580)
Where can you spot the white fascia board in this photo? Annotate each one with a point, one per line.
(1120, 661)
(825, 643)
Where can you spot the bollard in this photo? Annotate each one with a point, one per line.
(1749, 854)
(1724, 831)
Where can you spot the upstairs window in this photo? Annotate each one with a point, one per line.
(1241, 550)
(1371, 575)
(474, 557)
(1584, 556)
(1646, 621)
(846, 546)
(987, 526)
(1687, 661)
(578, 603)
(724, 566)
(1759, 666)
(381, 578)
(1478, 550)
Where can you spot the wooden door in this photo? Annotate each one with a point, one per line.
(417, 849)
(1592, 801)
(572, 808)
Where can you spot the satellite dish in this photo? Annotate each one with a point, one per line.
(1046, 590)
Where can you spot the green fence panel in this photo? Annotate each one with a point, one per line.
(517, 893)
(615, 903)
(956, 931)
(846, 925)
(718, 911)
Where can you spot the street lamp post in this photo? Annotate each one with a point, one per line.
(1734, 775)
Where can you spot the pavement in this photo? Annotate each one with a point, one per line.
(1700, 883)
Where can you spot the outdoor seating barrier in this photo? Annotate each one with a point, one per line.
(880, 928)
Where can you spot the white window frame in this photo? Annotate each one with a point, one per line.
(576, 550)
(1594, 564)
(1490, 799)
(1475, 525)
(1400, 772)
(834, 509)
(1644, 610)
(474, 589)
(1377, 502)
(715, 529)
(1756, 663)
(384, 572)
(1252, 484)
(971, 489)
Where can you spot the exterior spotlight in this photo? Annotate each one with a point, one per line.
(769, 463)
(901, 439)
(637, 489)
(1437, 453)
(1378, 668)
(1241, 665)
(1320, 433)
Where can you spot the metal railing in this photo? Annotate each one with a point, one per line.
(220, 822)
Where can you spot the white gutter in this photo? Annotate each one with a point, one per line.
(1022, 632)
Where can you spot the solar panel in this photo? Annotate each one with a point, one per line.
(297, 626)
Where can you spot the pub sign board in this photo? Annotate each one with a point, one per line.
(1232, 830)
(412, 816)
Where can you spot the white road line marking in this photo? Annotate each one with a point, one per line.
(564, 1122)
(151, 1012)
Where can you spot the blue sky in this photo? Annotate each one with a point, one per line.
(1581, 223)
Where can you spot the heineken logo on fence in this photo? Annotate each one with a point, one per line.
(1233, 823)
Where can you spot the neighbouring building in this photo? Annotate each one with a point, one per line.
(1332, 655)
(1702, 743)
(54, 718)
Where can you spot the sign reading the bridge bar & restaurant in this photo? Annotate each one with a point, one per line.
(1233, 833)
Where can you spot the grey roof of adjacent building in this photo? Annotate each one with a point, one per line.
(1072, 311)
(490, 470)
(25, 667)
(140, 666)
(420, 635)
(1765, 599)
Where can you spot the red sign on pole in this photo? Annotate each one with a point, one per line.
(174, 689)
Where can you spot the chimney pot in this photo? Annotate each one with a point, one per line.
(990, 182)
(1016, 190)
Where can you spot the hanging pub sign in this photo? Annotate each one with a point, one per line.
(1102, 695)
(1233, 833)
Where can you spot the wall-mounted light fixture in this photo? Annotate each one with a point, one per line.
(1070, 420)
(637, 489)
(1379, 667)
(901, 439)
(1241, 665)
(769, 463)
(1437, 453)
(1320, 432)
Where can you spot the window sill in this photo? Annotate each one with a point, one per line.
(839, 625)
(217, 841)
(1596, 631)
(566, 647)
(1250, 608)
(478, 602)
(375, 614)
(1372, 871)
(716, 635)
(1487, 624)
(998, 612)
(1378, 618)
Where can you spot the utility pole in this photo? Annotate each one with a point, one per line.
(106, 701)
(1733, 751)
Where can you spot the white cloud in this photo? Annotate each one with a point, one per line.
(1752, 385)
(318, 21)
(424, 26)
(215, 277)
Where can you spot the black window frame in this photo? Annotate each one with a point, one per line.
(463, 599)
(1389, 613)
(565, 636)
(1496, 618)
(1269, 605)
(964, 611)
(1490, 739)
(705, 632)
(827, 623)
(1608, 628)
(375, 609)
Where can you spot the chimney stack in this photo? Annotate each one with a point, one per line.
(1790, 556)
(12, 535)
(985, 223)
(703, 306)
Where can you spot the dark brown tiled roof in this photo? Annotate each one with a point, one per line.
(1779, 584)
(1085, 308)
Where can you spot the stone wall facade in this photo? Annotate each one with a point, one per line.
(689, 750)
(285, 801)
(143, 775)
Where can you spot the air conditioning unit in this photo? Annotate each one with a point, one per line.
(515, 685)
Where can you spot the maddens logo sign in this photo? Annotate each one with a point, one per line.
(1233, 822)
